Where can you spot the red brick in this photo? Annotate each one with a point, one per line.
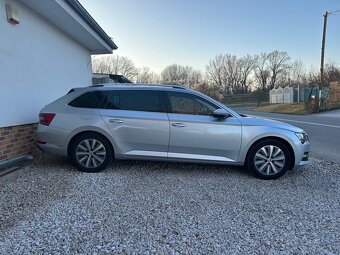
(17, 140)
(6, 151)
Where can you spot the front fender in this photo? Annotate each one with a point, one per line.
(251, 134)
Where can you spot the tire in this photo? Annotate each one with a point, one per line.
(269, 159)
(91, 152)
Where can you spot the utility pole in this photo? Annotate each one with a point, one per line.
(322, 79)
(317, 96)
(323, 48)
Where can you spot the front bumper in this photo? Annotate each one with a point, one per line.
(302, 153)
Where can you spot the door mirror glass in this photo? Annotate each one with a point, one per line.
(221, 114)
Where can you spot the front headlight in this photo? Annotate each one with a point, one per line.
(303, 137)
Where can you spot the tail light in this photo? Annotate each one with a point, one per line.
(46, 118)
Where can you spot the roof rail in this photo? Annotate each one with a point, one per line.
(134, 84)
(164, 85)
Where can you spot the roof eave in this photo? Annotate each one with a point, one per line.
(91, 22)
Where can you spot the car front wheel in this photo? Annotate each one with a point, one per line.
(91, 152)
(269, 159)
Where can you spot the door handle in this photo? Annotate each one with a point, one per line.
(116, 121)
(178, 125)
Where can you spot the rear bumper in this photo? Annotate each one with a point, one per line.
(52, 140)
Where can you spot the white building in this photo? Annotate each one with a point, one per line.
(45, 50)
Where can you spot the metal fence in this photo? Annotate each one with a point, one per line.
(246, 99)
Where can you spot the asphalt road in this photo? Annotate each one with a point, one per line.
(322, 128)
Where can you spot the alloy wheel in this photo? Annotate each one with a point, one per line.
(90, 153)
(269, 160)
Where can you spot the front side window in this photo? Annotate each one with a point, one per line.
(140, 100)
(88, 100)
(183, 103)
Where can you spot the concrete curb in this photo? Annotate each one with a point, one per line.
(10, 165)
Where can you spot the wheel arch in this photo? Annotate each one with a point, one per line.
(77, 134)
(280, 139)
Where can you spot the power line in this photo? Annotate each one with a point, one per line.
(330, 13)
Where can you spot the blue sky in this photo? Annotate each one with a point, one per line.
(190, 32)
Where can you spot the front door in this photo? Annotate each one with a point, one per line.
(196, 135)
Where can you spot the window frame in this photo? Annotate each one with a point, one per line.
(169, 108)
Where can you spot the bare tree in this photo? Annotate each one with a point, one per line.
(262, 72)
(181, 75)
(232, 74)
(114, 64)
(224, 71)
(313, 76)
(298, 72)
(277, 63)
(285, 78)
(215, 71)
(145, 75)
(247, 65)
(332, 72)
(210, 90)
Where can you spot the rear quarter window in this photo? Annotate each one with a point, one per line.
(88, 100)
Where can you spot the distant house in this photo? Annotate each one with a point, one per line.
(99, 78)
(45, 50)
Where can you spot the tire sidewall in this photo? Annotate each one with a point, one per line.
(256, 147)
(103, 140)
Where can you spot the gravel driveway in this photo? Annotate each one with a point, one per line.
(139, 207)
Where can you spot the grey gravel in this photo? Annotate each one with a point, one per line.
(141, 207)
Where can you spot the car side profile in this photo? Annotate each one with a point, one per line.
(94, 125)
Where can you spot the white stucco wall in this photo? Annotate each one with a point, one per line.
(38, 63)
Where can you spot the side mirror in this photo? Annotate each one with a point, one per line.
(221, 114)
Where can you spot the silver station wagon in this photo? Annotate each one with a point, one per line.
(94, 125)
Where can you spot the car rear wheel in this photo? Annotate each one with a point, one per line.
(269, 159)
(91, 152)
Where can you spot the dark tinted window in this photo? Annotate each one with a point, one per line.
(189, 104)
(140, 100)
(88, 100)
(112, 100)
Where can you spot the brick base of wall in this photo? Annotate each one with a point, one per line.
(17, 140)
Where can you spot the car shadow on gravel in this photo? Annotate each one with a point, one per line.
(148, 166)
(61, 163)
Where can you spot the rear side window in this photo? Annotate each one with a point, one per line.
(141, 100)
(89, 100)
(112, 100)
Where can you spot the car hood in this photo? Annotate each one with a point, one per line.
(257, 121)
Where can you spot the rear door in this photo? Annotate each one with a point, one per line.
(196, 135)
(138, 122)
